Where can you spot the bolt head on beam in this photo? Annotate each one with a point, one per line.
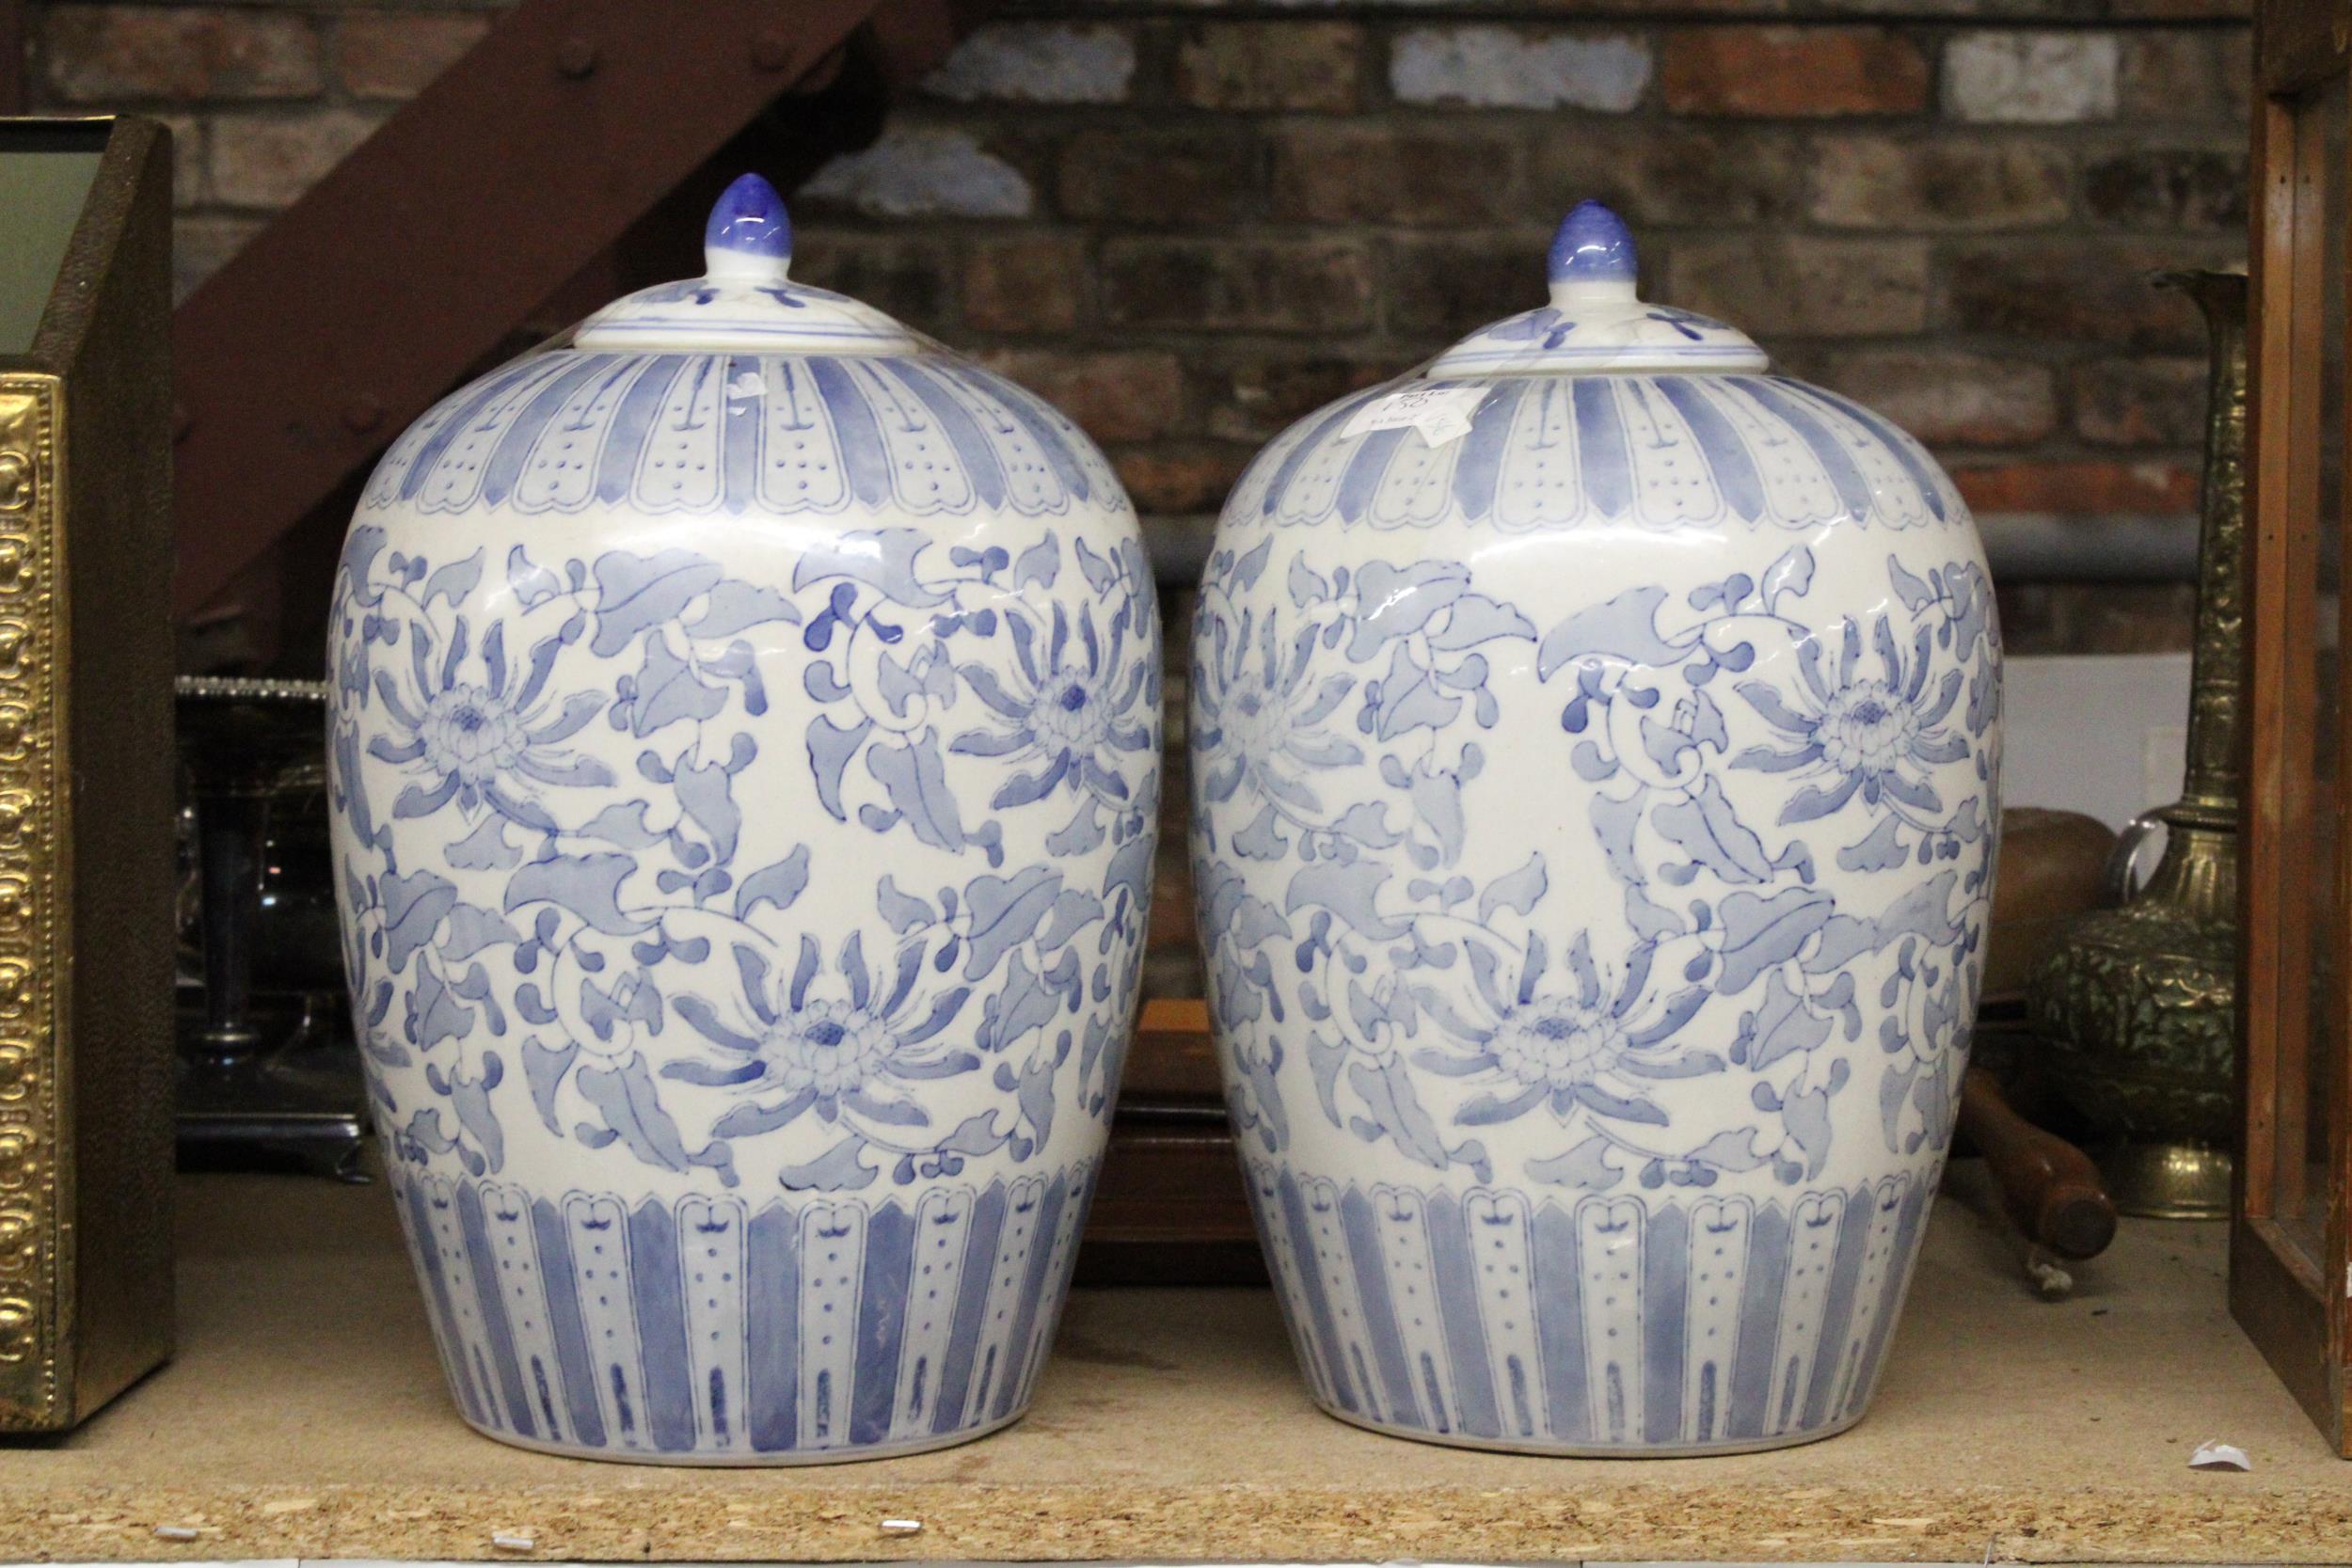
(576, 57)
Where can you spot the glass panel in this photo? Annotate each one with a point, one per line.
(45, 175)
(2306, 1068)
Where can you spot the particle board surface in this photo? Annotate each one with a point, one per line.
(306, 1418)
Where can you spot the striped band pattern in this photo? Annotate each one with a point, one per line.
(713, 1329)
(1593, 1325)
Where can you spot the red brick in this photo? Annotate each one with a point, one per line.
(1256, 396)
(1406, 174)
(397, 53)
(1269, 65)
(1803, 286)
(1438, 289)
(1190, 178)
(1793, 71)
(2090, 292)
(911, 275)
(2168, 189)
(1659, 172)
(1173, 480)
(112, 53)
(2184, 11)
(1318, 286)
(1871, 182)
(1024, 283)
(268, 161)
(2140, 403)
(1128, 395)
(1948, 399)
(2181, 74)
(1693, 7)
(2097, 485)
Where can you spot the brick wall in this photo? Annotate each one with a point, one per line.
(1188, 223)
(262, 100)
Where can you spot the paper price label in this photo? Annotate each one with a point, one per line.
(1441, 414)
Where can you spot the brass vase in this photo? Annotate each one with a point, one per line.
(2136, 1006)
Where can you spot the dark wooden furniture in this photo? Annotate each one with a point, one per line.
(1171, 1208)
(414, 258)
(2289, 1248)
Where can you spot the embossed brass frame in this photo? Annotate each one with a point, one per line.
(86, 800)
(36, 877)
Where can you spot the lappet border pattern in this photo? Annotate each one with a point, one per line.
(709, 1327)
(1499, 1316)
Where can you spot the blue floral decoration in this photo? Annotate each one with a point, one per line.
(628, 956)
(1424, 1002)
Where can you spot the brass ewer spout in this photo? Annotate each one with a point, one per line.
(2198, 871)
(2217, 663)
(2136, 1007)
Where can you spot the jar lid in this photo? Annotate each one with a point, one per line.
(744, 300)
(1594, 323)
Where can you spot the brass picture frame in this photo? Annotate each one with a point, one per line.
(86, 769)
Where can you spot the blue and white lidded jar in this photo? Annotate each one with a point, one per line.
(1596, 751)
(745, 752)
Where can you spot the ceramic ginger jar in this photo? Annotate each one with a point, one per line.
(745, 746)
(1595, 756)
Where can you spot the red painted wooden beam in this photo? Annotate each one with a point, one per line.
(366, 299)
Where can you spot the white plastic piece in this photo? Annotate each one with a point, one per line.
(2219, 1456)
(2048, 1274)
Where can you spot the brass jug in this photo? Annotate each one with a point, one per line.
(2136, 1006)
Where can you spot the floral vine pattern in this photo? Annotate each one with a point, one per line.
(590, 939)
(1422, 993)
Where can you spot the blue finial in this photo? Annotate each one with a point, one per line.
(748, 222)
(1592, 246)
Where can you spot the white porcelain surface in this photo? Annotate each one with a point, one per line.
(745, 748)
(1596, 775)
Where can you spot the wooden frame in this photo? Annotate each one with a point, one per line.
(2288, 1284)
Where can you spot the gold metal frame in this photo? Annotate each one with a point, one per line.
(37, 1238)
(85, 802)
